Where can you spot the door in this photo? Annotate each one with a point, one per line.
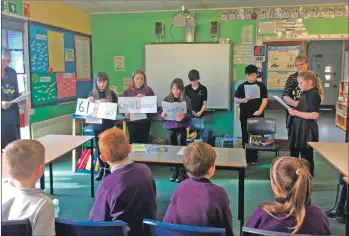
(325, 59)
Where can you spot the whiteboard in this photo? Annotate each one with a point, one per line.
(165, 62)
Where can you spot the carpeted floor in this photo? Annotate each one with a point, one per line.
(73, 189)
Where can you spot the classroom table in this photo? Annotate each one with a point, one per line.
(337, 155)
(227, 158)
(57, 146)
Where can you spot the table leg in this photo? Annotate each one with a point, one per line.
(241, 200)
(51, 179)
(92, 171)
(74, 152)
(347, 212)
(42, 181)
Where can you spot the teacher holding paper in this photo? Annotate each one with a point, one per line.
(10, 129)
(138, 125)
(253, 98)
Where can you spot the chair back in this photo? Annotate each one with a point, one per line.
(157, 228)
(197, 124)
(261, 126)
(246, 231)
(16, 228)
(66, 227)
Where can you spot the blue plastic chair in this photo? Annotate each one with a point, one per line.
(66, 227)
(157, 228)
(16, 228)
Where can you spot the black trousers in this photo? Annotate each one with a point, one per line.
(101, 163)
(9, 133)
(307, 154)
(177, 136)
(138, 132)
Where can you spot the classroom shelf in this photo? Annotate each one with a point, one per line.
(341, 107)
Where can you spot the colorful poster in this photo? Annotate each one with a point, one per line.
(277, 80)
(232, 14)
(69, 54)
(224, 15)
(38, 50)
(43, 88)
(83, 58)
(119, 63)
(261, 13)
(66, 85)
(56, 51)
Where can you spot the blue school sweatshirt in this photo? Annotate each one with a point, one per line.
(127, 194)
(198, 202)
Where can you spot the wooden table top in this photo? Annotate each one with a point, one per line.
(227, 157)
(335, 153)
(346, 179)
(58, 145)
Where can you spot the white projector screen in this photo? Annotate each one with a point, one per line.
(165, 62)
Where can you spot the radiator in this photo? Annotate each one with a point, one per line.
(59, 125)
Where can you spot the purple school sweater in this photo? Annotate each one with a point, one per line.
(198, 202)
(133, 92)
(127, 194)
(315, 222)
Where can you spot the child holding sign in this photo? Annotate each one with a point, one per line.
(101, 91)
(138, 130)
(176, 129)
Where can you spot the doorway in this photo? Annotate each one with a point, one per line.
(325, 59)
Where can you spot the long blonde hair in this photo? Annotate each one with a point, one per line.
(310, 75)
(292, 178)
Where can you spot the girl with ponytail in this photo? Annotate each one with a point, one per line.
(305, 128)
(291, 212)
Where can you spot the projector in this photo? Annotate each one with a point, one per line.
(180, 21)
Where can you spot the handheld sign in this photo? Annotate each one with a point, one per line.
(107, 110)
(146, 104)
(84, 107)
(173, 108)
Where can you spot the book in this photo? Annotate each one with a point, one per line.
(138, 148)
(157, 149)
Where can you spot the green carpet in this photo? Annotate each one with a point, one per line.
(73, 189)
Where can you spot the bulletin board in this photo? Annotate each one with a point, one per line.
(60, 65)
(279, 65)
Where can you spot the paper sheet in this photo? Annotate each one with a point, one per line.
(94, 120)
(173, 108)
(56, 50)
(137, 116)
(181, 152)
(282, 102)
(20, 98)
(252, 91)
(107, 110)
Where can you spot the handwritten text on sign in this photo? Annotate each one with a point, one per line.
(173, 108)
(105, 110)
(146, 104)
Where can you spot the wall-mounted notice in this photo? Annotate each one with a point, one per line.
(69, 54)
(173, 108)
(147, 104)
(243, 54)
(66, 85)
(39, 51)
(280, 65)
(119, 63)
(43, 88)
(56, 51)
(247, 34)
(83, 58)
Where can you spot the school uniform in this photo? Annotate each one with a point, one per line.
(315, 222)
(247, 110)
(197, 96)
(198, 202)
(100, 128)
(10, 128)
(306, 130)
(293, 91)
(128, 194)
(138, 130)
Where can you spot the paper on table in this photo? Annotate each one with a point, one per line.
(181, 152)
(94, 120)
(137, 116)
(252, 91)
(281, 102)
(20, 98)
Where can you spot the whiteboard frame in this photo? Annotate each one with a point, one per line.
(230, 92)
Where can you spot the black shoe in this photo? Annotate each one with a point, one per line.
(338, 209)
(182, 175)
(106, 173)
(174, 174)
(341, 219)
(100, 174)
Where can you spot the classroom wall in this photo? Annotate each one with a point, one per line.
(64, 16)
(19, 6)
(125, 34)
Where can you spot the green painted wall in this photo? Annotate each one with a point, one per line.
(126, 34)
(49, 112)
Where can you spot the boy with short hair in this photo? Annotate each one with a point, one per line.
(196, 201)
(251, 105)
(129, 192)
(24, 161)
